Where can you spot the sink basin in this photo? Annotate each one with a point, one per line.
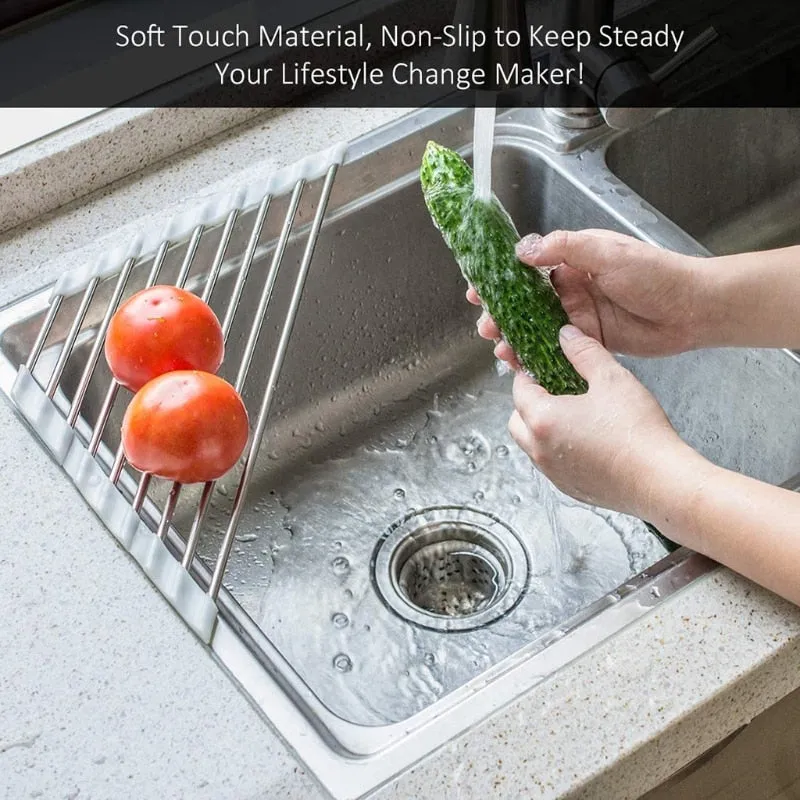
(735, 189)
(399, 569)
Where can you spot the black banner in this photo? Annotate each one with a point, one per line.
(401, 53)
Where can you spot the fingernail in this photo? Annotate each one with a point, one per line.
(529, 246)
(570, 332)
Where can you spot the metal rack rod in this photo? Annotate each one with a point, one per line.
(244, 271)
(169, 511)
(47, 325)
(180, 281)
(247, 357)
(72, 335)
(233, 305)
(266, 403)
(113, 389)
(94, 355)
(211, 281)
(219, 257)
(191, 250)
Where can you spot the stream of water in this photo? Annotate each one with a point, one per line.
(483, 144)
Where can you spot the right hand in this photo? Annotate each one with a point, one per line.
(586, 447)
(632, 297)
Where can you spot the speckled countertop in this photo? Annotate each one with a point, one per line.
(104, 693)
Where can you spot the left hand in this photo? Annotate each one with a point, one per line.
(605, 447)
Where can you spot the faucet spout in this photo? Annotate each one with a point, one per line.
(489, 16)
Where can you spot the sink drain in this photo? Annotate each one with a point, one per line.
(450, 568)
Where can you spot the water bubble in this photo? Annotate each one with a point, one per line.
(340, 565)
(399, 493)
(479, 495)
(222, 489)
(247, 537)
(320, 426)
(516, 499)
(429, 659)
(467, 453)
(342, 662)
(501, 451)
(348, 594)
(367, 628)
(340, 620)
(655, 592)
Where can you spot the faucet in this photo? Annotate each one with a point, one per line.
(618, 83)
(617, 87)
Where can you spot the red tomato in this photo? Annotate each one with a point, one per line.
(187, 426)
(159, 330)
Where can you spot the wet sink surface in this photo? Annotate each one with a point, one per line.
(735, 188)
(395, 547)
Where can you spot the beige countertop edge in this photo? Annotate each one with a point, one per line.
(99, 150)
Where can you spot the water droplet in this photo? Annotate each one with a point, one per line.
(320, 426)
(429, 659)
(501, 451)
(340, 565)
(340, 620)
(342, 662)
(516, 499)
(478, 496)
(399, 493)
(655, 592)
(367, 628)
(222, 489)
(247, 537)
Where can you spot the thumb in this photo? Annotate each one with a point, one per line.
(587, 355)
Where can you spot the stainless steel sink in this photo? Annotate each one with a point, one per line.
(728, 177)
(399, 570)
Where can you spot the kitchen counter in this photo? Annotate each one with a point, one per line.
(104, 693)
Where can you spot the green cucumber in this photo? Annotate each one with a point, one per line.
(482, 236)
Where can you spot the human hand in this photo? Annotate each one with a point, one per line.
(631, 296)
(605, 447)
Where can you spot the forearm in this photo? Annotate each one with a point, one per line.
(749, 300)
(750, 526)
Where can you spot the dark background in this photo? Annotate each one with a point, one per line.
(55, 53)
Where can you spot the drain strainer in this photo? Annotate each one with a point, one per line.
(450, 568)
